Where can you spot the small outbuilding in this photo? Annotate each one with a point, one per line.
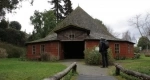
(77, 32)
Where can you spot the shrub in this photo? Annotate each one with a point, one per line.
(93, 57)
(3, 53)
(137, 56)
(136, 49)
(13, 51)
(110, 57)
(53, 58)
(48, 57)
(45, 56)
(147, 55)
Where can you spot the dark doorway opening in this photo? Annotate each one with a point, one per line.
(73, 49)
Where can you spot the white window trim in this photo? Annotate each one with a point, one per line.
(115, 48)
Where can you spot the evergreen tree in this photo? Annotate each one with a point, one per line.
(67, 7)
(144, 43)
(58, 9)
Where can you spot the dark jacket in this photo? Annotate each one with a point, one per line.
(102, 48)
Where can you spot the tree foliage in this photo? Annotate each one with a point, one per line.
(10, 35)
(15, 25)
(67, 7)
(61, 11)
(144, 43)
(43, 23)
(58, 9)
(7, 6)
(4, 24)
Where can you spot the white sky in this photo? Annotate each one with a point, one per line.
(113, 13)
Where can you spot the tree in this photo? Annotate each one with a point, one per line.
(15, 25)
(43, 23)
(67, 7)
(136, 21)
(15, 37)
(58, 9)
(142, 23)
(126, 36)
(4, 24)
(144, 43)
(9, 6)
(48, 19)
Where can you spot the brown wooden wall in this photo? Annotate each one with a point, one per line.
(125, 50)
(56, 49)
(52, 48)
(91, 43)
(79, 35)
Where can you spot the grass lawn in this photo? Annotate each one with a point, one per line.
(141, 65)
(13, 69)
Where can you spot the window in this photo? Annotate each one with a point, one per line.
(42, 48)
(71, 36)
(33, 49)
(117, 48)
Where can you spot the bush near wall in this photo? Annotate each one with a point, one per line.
(3, 53)
(93, 57)
(147, 54)
(48, 57)
(12, 51)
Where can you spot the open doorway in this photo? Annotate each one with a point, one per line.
(73, 49)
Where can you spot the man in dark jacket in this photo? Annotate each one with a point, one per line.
(103, 50)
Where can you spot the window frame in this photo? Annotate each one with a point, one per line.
(33, 49)
(72, 35)
(42, 48)
(117, 48)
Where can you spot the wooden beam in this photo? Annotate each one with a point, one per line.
(60, 75)
(130, 72)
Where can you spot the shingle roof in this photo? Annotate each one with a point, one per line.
(81, 19)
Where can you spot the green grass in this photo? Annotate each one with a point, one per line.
(13, 69)
(141, 65)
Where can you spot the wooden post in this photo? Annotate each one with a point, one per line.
(59, 75)
(74, 69)
(117, 71)
(130, 72)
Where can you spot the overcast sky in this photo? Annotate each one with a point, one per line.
(113, 13)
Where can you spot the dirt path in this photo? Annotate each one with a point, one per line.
(87, 72)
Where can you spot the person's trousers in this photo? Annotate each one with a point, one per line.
(104, 59)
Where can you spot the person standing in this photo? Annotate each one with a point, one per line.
(103, 46)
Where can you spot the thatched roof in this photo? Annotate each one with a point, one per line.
(81, 19)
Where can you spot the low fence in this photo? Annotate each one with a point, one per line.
(132, 73)
(60, 75)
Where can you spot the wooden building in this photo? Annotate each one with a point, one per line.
(73, 35)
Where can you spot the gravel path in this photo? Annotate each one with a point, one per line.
(87, 72)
